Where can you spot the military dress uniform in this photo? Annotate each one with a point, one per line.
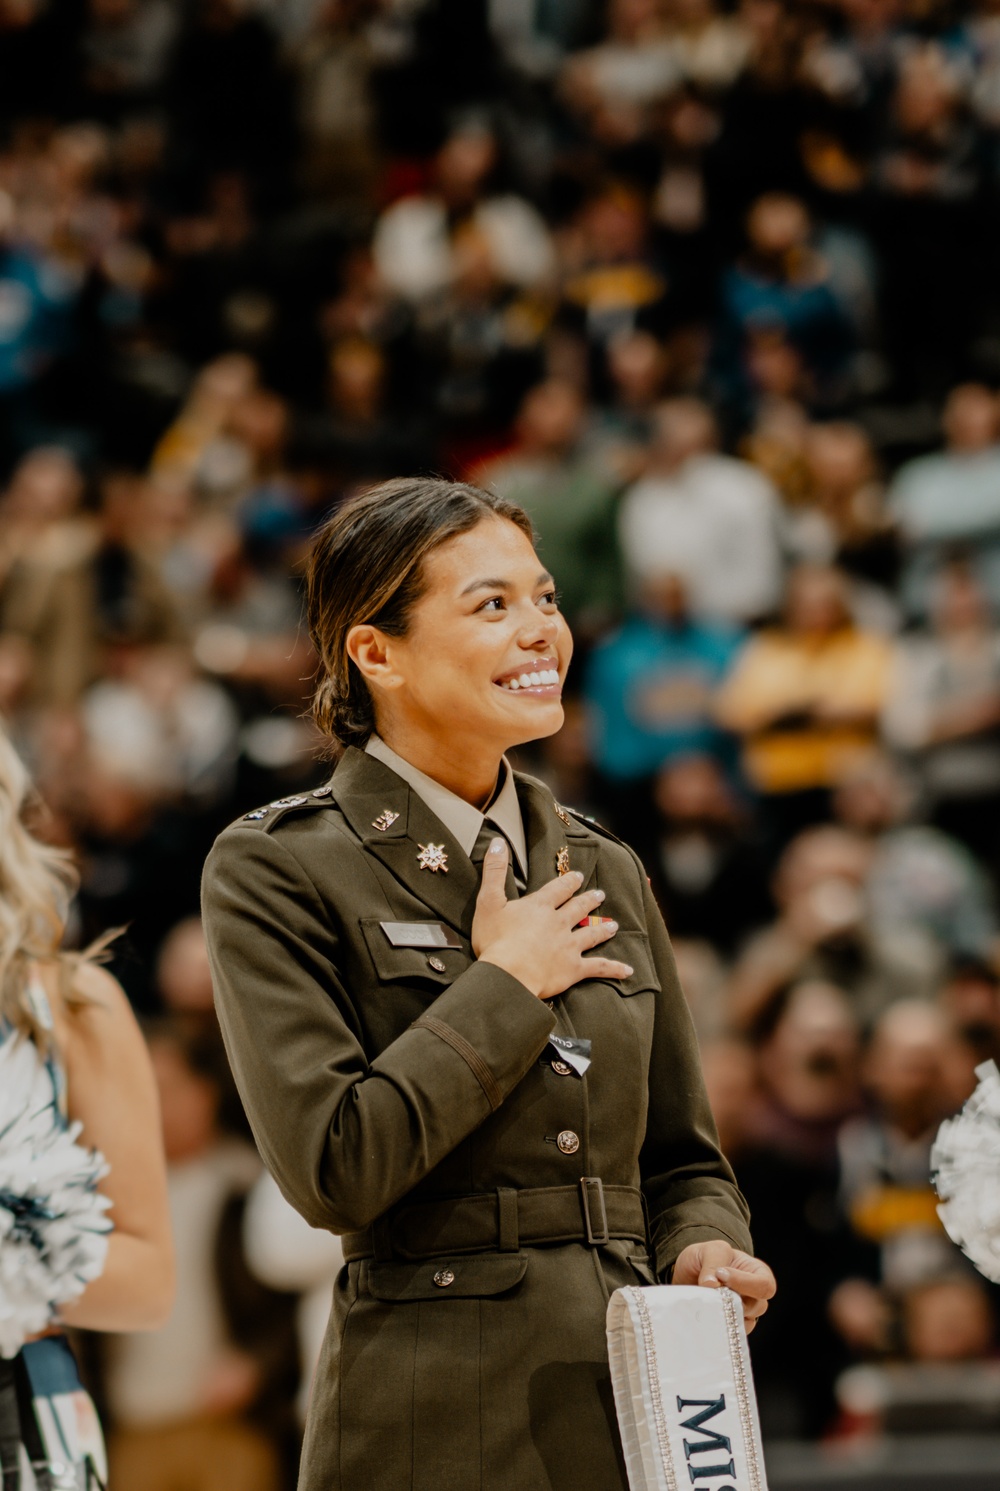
(492, 1188)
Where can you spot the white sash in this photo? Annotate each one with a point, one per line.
(684, 1390)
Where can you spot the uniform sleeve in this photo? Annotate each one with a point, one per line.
(346, 1137)
(690, 1190)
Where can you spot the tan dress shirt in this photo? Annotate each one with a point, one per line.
(460, 818)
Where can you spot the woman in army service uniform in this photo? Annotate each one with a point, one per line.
(452, 1011)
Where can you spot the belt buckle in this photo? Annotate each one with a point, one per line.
(593, 1185)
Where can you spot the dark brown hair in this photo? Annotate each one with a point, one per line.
(367, 565)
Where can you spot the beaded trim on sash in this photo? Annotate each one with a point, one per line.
(684, 1389)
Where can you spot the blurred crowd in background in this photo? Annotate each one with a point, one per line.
(710, 289)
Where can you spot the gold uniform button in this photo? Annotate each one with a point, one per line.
(437, 964)
(568, 1142)
(443, 1278)
(562, 1069)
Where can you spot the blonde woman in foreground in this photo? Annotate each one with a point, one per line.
(84, 1222)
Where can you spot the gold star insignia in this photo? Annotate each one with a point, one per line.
(384, 820)
(433, 857)
(562, 861)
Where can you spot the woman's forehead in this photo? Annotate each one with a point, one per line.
(494, 548)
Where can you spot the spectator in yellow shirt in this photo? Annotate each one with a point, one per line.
(805, 697)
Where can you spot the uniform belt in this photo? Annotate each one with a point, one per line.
(503, 1221)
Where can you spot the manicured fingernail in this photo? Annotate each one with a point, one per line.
(709, 1279)
(600, 896)
(611, 926)
(628, 970)
(496, 846)
(723, 1274)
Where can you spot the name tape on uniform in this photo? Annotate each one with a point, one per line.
(420, 934)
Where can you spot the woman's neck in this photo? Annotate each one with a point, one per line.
(470, 771)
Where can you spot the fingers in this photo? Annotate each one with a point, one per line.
(754, 1283)
(718, 1262)
(559, 890)
(575, 910)
(603, 968)
(564, 892)
(699, 1262)
(750, 1284)
(752, 1312)
(592, 936)
(492, 894)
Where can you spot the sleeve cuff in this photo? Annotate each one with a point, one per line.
(667, 1249)
(494, 1023)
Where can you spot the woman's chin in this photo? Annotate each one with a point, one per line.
(541, 718)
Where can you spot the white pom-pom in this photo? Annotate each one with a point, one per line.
(53, 1222)
(965, 1165)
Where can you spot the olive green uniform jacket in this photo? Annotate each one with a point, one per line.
(408, 1096)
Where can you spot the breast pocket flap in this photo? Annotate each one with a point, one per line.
(631, 947)
(438, 965)
(447, 1278)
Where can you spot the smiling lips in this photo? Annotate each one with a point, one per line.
(543, 678)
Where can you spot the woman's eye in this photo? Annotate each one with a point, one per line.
(494, 604)
(550, 598)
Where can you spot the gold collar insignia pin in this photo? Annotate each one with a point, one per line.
(432, 857)
(384, 820)
(562, 861)
(562, 815)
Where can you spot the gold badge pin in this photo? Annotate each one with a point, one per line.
(562, 815)
(432, 857)
(562, 861)
(384, 820)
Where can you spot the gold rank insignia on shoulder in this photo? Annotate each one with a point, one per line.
(562, 861)
(562, 815)
(432, 857)
(384, 820)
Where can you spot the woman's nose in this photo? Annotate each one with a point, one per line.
(542, 629)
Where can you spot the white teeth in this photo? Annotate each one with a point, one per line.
(542, 679)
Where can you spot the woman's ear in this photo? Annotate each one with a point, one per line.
(368, 649)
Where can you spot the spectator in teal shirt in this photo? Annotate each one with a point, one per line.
(649, 686)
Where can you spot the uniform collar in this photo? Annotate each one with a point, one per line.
(393, 822)
(459, 817)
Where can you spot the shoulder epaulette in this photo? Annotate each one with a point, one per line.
(321, 797)
(594, 824)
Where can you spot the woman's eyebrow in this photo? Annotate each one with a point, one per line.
(543, 579)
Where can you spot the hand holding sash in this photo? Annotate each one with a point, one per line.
(717, 1265)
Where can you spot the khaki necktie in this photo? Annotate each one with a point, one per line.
(514, 885)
